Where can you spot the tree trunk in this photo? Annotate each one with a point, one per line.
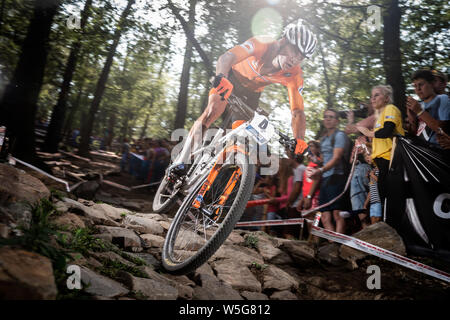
(19, 102)
(73, 110)
(191, 37)
(59, 110)
(101, 84)
(180, 117)
(392, 56)
(111, 125)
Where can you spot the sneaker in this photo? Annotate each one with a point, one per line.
(345, 214)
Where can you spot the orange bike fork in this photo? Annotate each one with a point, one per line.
(213, 175)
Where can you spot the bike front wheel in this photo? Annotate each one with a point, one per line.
(198, 230)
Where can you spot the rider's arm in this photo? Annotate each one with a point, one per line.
(295, 88)
(225, 62)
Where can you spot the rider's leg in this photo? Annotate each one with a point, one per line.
(213, 111)
(298, 123)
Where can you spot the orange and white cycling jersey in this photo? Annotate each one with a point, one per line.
(250, 59)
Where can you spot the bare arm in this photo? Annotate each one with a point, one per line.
(366, 132)
(225, 62)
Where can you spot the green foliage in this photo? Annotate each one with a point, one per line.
(83, 242)
(251, 241)
(111, 268)
(258, 266)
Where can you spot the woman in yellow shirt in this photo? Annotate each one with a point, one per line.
(388, 123)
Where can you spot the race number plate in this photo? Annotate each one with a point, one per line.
(261, 129)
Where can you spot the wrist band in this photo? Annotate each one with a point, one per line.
(420, 113)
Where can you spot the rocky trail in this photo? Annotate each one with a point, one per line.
(115, 240)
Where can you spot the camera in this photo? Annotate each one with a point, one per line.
(360, 112)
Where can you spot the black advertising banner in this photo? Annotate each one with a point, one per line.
(418, 198)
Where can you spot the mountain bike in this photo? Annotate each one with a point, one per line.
(213, 194)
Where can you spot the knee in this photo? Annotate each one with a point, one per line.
(297, 113)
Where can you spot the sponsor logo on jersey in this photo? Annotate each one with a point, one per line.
(247, 45)
(390, 117)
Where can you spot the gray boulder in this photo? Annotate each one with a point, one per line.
(25, 276)
(379, 234)
(99, 285)
(17, 185)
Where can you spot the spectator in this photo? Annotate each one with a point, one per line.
(373, 201)
(432, 113)
(285, 188)
(310, 200)
(270, 190)
(359, 185)
(368, 122)
(159, 162)
(294, 195)
(389, 123)
(255, 213)
(439, 82)
(333, 144)
(125, 156)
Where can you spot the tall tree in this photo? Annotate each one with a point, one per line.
(59, 110)
(392, 59)
(19, 101)
(101, 84)
(180, 117)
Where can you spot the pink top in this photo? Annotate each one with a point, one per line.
(284, 197)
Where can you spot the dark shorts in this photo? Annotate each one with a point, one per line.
(251, 98)
(330, 188)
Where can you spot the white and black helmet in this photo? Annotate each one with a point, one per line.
(299, 35)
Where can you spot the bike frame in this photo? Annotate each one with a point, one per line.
(204, 164)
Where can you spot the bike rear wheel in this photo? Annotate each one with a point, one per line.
(165, 196)
(197, 232)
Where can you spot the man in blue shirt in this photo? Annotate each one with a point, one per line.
(432, 113)
(333, 146)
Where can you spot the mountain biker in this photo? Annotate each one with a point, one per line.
(246, 69)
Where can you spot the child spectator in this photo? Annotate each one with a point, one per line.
(359, 184)
(373, 200)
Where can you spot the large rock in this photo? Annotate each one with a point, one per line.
(181, 283)
(238, 276)
(25, 275)
(283, 295)
(70, 221)
(16, 185)
(97, 217)
(20, 212)
(243, 255)
(125, 238)
(87, 190)
(143, 225)
(330, 254)
(277, 279)
(150, 288)
(99, 285)
(148, 258)
(212, 289)
(152, 240)
(249, 295)
(116, 214)
(272, 254)
(379, 234)
(300, 251)
(111, 256)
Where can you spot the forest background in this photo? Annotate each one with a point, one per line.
(134, 68)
